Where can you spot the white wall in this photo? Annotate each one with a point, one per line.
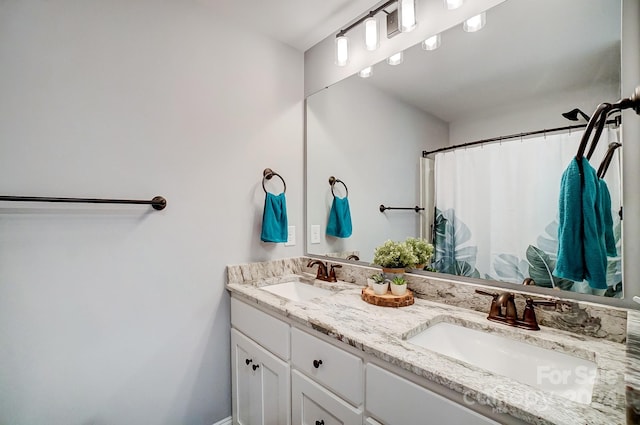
(118, 314)
(353, 120)
(631, 149)
(533, 114)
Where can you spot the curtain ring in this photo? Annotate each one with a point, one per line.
(333, 181)
(268, 173)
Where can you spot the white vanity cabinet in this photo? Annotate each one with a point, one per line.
(260, 384)
(283, 375)
(327, 383)
(393, 400)
(313, 404)
(260, 373)
(330, 366)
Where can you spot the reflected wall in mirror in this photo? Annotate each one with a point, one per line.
(532, 62)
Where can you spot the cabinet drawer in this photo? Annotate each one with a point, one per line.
(314, 405)
(396, 401)
(338, 370)
(266, 330)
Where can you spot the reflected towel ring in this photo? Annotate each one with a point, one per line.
(333, 181)
(267, 174)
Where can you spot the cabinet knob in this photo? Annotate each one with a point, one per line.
(247, 361)
(255, 366)
(320, 422)
(316, 364)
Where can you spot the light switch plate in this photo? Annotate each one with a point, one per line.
(315, 233)
(291, 236)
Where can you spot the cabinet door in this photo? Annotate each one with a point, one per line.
(260, 384)
(313, 404)
(395, 401)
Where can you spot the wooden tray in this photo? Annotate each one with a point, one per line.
(388, 299)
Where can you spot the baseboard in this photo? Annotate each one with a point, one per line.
(225, 421)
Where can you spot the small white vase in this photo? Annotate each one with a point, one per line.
(380, 288)
(398, 289)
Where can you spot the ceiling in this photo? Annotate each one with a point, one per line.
(527, 50)
(298, 23)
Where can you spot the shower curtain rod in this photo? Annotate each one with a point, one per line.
(615, 121)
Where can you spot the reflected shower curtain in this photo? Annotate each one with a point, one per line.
(496, 209)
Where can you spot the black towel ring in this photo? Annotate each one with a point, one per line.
(333, 181)
(267, 174)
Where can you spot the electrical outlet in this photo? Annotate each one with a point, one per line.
(315, 233)
(291, 236)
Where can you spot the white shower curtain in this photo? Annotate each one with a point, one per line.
(497, 208)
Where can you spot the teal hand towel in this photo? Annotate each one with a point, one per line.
(274, 219)
(581, 248)
(339, 223)
(605, 207)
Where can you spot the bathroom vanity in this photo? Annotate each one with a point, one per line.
(325, 356)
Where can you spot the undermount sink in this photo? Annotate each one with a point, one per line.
(296, 290)
(548, 370)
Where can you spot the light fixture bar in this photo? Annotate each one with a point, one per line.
(368, 15)
(407, 15)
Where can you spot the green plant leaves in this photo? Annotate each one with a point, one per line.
(511, 268)
(541, 268)
(450, 256)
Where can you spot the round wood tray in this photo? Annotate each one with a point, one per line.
(388, 299)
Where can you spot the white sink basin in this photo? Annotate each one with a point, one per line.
(297, 291)
(552, 371)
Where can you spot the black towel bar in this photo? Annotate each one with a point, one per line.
(416, 208)
(158, 202)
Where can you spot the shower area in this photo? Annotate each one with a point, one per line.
(492, 206)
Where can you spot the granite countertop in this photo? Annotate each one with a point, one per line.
(382, 332)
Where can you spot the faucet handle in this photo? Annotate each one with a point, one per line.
(332, 273)
(494, 310)
(490, 294)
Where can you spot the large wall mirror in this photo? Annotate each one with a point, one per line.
(532, 62)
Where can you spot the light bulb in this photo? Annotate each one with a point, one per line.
(475, 23)
(342, 50)
(407, 15)
(395, 59)
(366, 73)
(371, 39)
(432, 43)
(453, 4)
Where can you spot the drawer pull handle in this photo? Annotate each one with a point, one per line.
(247, 361)
(316, 364)
(320, 422)
(255, 366)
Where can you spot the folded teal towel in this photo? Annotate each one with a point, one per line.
(339, 224)
(581, 248)
(605, 202)
(274, 219)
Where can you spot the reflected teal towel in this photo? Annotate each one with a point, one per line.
(581, 247)
(605, 202)
(339, 224)
(274, 219)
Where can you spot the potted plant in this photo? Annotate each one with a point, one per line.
(375, 278)
(398, 285)
(422, 249)
(379, 284)
(394, 258)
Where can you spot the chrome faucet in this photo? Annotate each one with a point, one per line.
(503, 310)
